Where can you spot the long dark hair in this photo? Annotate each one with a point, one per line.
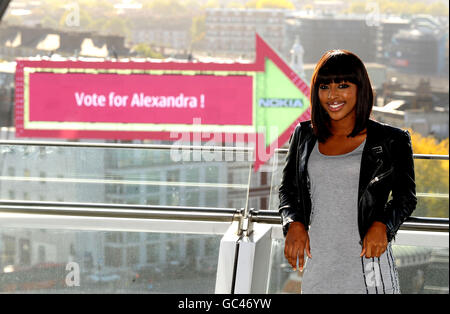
(338, 66)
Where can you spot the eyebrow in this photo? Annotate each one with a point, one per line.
(341, 82)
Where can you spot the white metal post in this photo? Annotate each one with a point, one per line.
(253, 264)
(226, 263)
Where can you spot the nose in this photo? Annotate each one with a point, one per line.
(332, 93)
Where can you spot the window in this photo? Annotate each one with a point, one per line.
(173, 176)
(24, 252)
(9, 250)
(114, 237)
(152, 253)
(42, 176)
(153, 177)
(42, 151)
(41, 254)
(172, 251)
(132, 255)
(211, 174)
(192, 198)
(211, 246)
(113, 256)
(211, 198)
(11, 171)
(173, 197)
(132, 237)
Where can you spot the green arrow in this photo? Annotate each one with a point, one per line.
(279, 102)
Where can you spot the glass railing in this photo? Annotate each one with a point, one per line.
(126, 218)
(125, 174)
(98, 261)
(55, 247)
(432, 183)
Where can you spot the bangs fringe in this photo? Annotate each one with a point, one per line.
(337, 78)
(339, 68)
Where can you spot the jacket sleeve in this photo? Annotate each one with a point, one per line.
(288, 192)
(403, 201)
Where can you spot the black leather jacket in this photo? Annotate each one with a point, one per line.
(386, 166)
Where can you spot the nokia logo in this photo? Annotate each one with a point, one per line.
(280, 102)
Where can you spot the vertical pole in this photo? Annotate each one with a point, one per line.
(253, 265)
(227, 260)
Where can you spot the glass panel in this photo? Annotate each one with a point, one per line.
(432, 185)
(118, 175)
(279, 160)
(432, 188)
(422, 270)
(60, 261)
(259, 189)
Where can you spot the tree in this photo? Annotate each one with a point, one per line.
(275, 4)
(357, 8)
(401, 7)
(235, 4)
(437, 9)
(144, 50)
(198, 29)
(432, 179)
(116, 26)
(166, 7)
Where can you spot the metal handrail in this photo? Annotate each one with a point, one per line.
(100, 210)
(168, 147)
(212, 214)
(430, 156)
(126, 146)
(412, 223)
(416, 156)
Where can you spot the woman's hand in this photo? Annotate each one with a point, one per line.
(375, 241)
(297, 240)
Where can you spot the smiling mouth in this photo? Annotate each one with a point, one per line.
(335, 106)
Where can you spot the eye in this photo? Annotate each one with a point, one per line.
(343, 85)
(323, 86)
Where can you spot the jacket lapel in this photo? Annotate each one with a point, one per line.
(372, 155)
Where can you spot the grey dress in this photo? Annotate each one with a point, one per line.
(336, 265)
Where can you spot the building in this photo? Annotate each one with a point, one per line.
(26, 41)
(421, 49)
(388, 28)
(160, 32)
(320, 33)
(232, 31)
(418, 102)
(7, 88)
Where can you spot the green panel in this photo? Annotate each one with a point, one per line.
(273, 83)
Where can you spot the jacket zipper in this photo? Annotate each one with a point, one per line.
(367, 187)
(376, 179)
(372, 181)
(381, 176)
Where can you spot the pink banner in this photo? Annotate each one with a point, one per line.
(135, 98)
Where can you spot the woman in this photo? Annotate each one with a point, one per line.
(340, 170)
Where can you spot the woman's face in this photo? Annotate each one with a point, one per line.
(338, 100)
